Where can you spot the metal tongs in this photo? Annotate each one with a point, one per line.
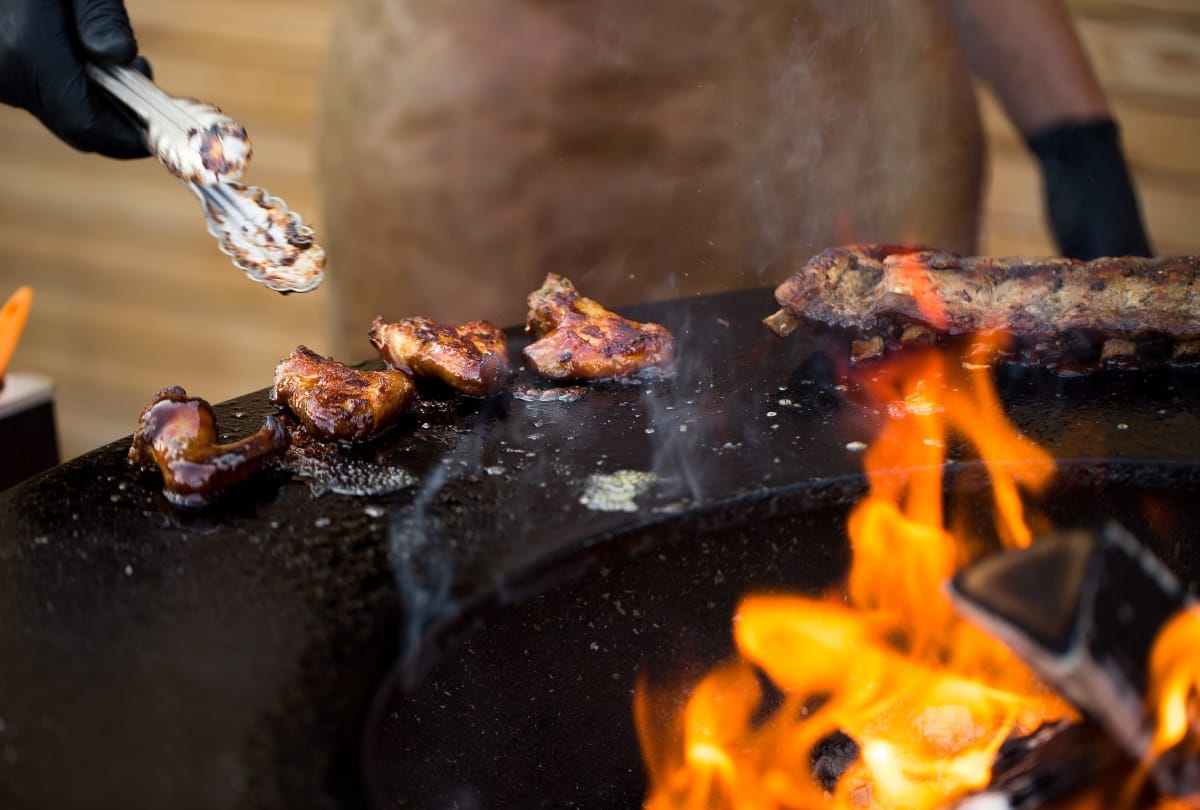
(208, 151)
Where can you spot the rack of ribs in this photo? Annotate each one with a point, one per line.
(1064, 314)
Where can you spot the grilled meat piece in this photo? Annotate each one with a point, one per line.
(336, 402)
(178, 434)
(579, 339)
(1046, 305)
(472, 357)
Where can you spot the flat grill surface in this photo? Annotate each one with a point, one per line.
(235, 648)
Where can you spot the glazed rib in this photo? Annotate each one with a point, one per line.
(178, 434)
(336, 402)
(580, 339)
(471, 357)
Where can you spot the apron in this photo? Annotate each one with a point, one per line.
(645, 149)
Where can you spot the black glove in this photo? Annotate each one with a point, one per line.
(43, 46)
(1090, 201)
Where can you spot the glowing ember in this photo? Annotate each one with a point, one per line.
(926, 698)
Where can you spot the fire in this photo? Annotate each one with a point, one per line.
(925, 698)
(915, 275)
(1175, 680)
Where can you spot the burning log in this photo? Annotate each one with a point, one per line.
(1086, 611)
(1057, 763)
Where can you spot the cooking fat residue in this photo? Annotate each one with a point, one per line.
(616, 492)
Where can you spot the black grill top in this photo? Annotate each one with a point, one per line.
(148, 652)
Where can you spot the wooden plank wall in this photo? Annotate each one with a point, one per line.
(1147, 55)
(132, 294)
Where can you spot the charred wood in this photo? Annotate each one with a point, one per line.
(1082, 609)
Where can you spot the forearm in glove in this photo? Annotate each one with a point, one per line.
(43, 47)
(1089, 195)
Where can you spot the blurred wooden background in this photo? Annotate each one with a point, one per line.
(132, 294)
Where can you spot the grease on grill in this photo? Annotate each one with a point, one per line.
(616, 492)
(562, 393)
(330, 468)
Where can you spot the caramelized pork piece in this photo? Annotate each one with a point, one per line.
(472, 357)
(336, 402)
(579, 339)
(178, 434)
(1126, 307)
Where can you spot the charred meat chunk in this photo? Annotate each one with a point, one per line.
(471, 357)
(579, 339)
(336, 402)
(178, 435)
(1046, 303)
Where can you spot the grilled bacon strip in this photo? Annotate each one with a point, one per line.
(471, 357)
(336, 402)
(178, 434)
(899, 294)
(578, 339)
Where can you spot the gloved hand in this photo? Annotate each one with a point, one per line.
(43, 46)
(1090, 200)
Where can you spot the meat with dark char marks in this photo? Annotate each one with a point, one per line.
(178, 434)
(579, 339)
(471, 357)
(897, 294)
(336, 402)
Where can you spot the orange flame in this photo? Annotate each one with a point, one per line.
(915, 274)
(927, 698)
(1175, 680)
